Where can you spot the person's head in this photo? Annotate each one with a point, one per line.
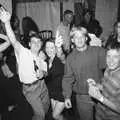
(95, 28)
(35, 43)
(80, 37)
(68, 16)
(28, 25)
(113, 57)
(50, 48)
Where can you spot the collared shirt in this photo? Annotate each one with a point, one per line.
(111, 85)
(111, 90)
(26, 70)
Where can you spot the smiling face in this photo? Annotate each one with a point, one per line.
(113, 59)
(79, 39)
(35, 44)
(50, 49)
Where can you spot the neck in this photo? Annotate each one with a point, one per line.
(82, 48)
(34, 53)
(52, 57)
(65, 23)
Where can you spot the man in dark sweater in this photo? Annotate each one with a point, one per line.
(83, 63)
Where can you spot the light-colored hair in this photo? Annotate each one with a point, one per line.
(75, 30)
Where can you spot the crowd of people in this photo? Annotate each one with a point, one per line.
(71, 71)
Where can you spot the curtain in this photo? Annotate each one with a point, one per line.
(45, 14)
(106, 13)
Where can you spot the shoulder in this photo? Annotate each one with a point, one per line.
(72, 55)
(57, 61)
(97, 49)
(117, 73)
(60, 26)
(24, 53)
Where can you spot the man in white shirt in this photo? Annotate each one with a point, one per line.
(64, 29)
(31, 69)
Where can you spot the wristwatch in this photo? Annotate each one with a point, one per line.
(101, 99)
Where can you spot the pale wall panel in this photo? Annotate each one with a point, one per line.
(45, 14)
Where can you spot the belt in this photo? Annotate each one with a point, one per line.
(33, 83)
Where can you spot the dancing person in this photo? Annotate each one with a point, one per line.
(64, 30)
(108, 92)
(31, 69)
(54, 80)
(82, 63)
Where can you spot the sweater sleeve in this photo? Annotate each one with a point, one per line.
(102, 58)
(68, 79)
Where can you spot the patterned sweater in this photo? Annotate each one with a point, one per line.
(111, 90)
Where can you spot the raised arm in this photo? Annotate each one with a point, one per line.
(58, 44)
(5, 18)
(6, 44)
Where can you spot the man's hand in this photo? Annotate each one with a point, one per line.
(58, 40)
(68, 103)
(91, 82)
(4, 15)
(39, 74)
(95, 41)
(94, 92)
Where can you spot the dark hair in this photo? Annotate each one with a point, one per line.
(52, 40)
(115, 46)
(68, 12)
(36, 36)
(28, 24)
(85, 11)
(13, 20)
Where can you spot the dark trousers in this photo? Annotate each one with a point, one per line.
(13, 92)
(85, 106)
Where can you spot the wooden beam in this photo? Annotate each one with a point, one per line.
(118, 17)
(61, 11)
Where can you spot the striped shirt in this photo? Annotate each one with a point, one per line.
(111, 90)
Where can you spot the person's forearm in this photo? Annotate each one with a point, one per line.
(67, 89)
(4, 37)
(110, 104)
(60, 54)
(10, 33)
(59, 51)
(4, 46)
